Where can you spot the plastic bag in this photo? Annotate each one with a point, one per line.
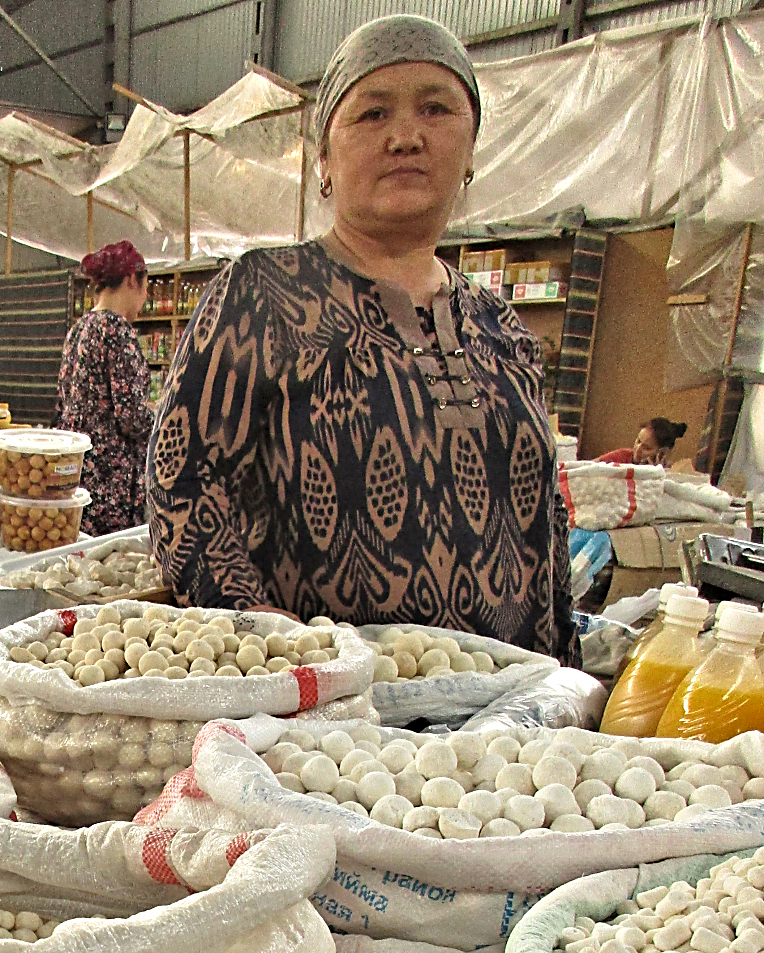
(598, 895)
(564, 697)
(603, 643)
(466, 894)
(609, 496)
(252, 888)
(450, 699)
(80, 755)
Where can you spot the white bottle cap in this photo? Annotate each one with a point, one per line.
(740, 626)
(674, 589)
(687, 609)
(742, 606)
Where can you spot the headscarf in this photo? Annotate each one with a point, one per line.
(396, 39)
(113, 261)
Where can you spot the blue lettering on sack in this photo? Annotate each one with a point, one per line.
(352, 882)
(423, 890)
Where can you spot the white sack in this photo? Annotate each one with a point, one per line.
(450, 699)
(365, 944)
(609, 496)
(389, 883)
(251, 899)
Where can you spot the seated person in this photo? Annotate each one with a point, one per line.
(654, 440)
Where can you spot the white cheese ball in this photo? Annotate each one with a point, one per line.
(557, 799)
(297, 736)
(409, 784)
(395, 758)
(571, 824)
(651, 765)
(320, 773)
(682, 788)
(636, 784)
(525, 811)
(469, 748)
(409, 644)
(290, 781)
(435, 760)
(321, 796)
(488, 769)
(463, 662)
(352, 759)
(369, 746)
(429, 832)
(441, 792)
(483, 804)
(294, 763)
(367, 767)
(419, 817)
(604, 765)
(385, 669)
(663, 805)
(564, 749)
(433, 658)
(355, 807)
(336, 745)
(609, 809)
(506, 746)
(753, 789)
(365, 733)
(532, 752)
(552, 770)
(712, 795)
(516, 776)
(405, 663)
(586, 790)
(458, 825)
(391, 810)
(344, 790)
(700, 775)
(374, 786)
(500, 827)
(483, 662)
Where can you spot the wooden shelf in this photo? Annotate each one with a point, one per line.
(162, 317)
(162, 362)
(515, 301)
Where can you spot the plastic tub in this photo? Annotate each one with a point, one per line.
(42, 464)
(33, 526)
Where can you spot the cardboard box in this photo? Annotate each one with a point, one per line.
(532, 272)
(487, 279)
(495, 259)
(648, 556)
(536, 291)
(472, 261)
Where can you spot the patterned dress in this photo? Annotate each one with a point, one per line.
(103, 385)
(324, 448)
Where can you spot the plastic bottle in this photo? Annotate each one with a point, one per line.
(667, 590)
(708, 639)
(724, 695)
(646, 686)
(5, 416)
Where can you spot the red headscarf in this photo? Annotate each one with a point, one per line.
(113, 261)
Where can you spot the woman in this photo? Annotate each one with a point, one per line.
(350, 427)
(103, 388)
(654, 441)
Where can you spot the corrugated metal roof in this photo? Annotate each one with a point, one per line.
(53, 26)
(186, 64)
(38, 86)
(660, 13)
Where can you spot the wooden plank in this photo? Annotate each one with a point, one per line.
(684, 299)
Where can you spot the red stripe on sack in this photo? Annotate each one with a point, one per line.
(631, 490)
(181, 785)
(154, 855)
(308, 685)
(12, 816)
(566, 497)
(68, 620)
(214, 728)
(238, 846)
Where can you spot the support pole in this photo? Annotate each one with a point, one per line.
(187, 191)
(9, 222)
(303, 174)
(90, 222)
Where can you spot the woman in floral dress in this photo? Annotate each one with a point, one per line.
(103, 390)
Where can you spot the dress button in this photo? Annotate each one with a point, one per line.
(417, 351)
(442, 403)
(459, 352)
(431, 379)
(475, 402)
(466, 379)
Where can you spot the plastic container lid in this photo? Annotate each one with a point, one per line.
(45, 441)
(687, 608)
(674, 589)
(732, 605)
(81, 498)
(737, 625)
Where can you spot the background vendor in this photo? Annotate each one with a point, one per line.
(654, 441)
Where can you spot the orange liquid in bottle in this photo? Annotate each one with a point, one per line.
(641, 695)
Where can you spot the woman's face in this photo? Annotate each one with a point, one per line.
(399, 145)
(646, 449)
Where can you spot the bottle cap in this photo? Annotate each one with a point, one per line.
(675, 589)
(687, 608)
(744, 607)
(740, 626)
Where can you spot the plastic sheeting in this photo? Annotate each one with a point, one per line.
(746, 453)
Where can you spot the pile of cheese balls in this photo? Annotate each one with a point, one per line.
(402, 656)
(722, 913)
(471, 785)
(123, 571)
(80, 769)
(110, 647)
(25, 926)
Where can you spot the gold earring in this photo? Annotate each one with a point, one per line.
(325, 187)
(469, 175)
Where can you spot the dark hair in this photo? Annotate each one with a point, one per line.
(109, 266)
(665, 432)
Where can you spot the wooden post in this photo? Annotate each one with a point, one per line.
(187, 191)
(303, 173)
(9, 222)
(90, 222)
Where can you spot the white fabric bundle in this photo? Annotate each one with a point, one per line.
(252, 888)
(609, 496)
